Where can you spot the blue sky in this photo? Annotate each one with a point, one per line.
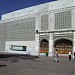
(7, 6)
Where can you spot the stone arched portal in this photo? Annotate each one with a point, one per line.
(44, 46)
(63, 46)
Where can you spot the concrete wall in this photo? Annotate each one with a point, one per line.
(30, 47)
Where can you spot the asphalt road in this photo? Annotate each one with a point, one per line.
(36, 66)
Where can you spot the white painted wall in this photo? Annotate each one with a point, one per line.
(74, 43)
(60, 4)
(51, 44)
(30, 47)
(37, 43)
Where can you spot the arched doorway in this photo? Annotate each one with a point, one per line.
(63, 46)
(44, 48)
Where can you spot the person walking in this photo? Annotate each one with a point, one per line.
(69, 55)
(74, 56)
(56, 56)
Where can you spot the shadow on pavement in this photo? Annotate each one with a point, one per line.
(16, 57)
(2, 66)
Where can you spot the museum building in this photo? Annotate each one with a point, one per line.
(40, 29)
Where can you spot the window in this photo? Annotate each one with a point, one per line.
(18, 48)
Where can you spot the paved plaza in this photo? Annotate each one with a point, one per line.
(36, 66)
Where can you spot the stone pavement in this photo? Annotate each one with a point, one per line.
(36, 66)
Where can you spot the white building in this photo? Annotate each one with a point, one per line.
(40, 29)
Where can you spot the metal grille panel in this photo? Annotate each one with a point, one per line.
(44, 22)
(63, 20)
(21, 30)
(2, 37)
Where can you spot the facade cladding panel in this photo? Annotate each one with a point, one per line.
(21, 30)
(63, 20)
(2, 37)
(44, 22)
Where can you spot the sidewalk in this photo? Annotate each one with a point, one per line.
(36, 66)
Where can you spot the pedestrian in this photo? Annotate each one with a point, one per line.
(69, 55)
(56, 56)
(74, 56)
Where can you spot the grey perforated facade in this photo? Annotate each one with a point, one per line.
(44, 22)
(63, 20)
(21, 30)
(2, 37)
